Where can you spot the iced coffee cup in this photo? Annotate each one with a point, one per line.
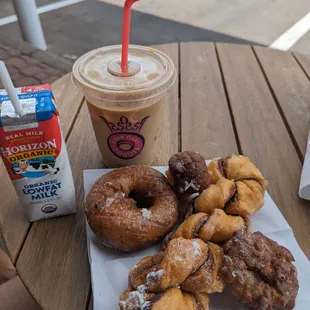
(126, 109)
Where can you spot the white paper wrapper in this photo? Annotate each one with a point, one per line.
(304, 186)
(110, 268)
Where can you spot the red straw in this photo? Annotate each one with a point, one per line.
(126, 34)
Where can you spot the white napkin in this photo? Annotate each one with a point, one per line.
(110, 268)
(304, 186)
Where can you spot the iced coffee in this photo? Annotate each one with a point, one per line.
(126, 109)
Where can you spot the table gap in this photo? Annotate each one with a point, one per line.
(88, 304)
(286, 123)
(301, 66)
(74, 118)
(15, 259)
(179, 101)
(228, 101)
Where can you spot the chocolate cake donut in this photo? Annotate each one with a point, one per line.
(131, 208)
(188, 173)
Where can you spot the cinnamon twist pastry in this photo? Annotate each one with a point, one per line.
(153, 281)
(167, 269)
(172, 299)
(193, 265)
(238, 187)
(217, 227)
(208, 278)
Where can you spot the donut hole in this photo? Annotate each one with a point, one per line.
(143, 199)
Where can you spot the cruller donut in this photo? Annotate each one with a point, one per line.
(131, 208)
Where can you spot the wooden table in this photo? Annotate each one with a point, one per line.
(229, 99)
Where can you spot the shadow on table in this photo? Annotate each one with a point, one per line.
(83, 26)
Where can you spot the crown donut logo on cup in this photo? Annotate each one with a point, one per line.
(125, 142)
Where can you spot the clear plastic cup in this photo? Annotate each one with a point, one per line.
(127, 110)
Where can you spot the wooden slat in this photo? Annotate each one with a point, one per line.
(206, 123)
(68, 100)
(291, 88)
(304, 61)
(263, 135)
(53, 262)
(169, 132)
(13, 223)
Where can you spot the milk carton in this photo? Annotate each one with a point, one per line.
(34, 153)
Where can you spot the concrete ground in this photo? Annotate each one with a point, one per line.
(80, 27)
(258, 21)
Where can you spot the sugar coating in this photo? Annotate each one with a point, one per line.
(179, 258)
(197, 248)
(141, 288)
(190, 185)
(179, 167)
(134, 300)
(146, 214)
(108, 202)
(154, 275)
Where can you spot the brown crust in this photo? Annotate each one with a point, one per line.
(233, 199)
(171, 299)
(217, 227)
(190, 210)
(114, 216)
(198, 305)
(207, 279)
(260, 272)
(168, 269)
(220, 227)
(134, 300)
(156, 298)
(182, 258)
(203, 300)
(137, 275)
(189, 173)
(222, 164)
(202, 222)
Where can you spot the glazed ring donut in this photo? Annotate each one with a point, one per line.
(131, 208)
